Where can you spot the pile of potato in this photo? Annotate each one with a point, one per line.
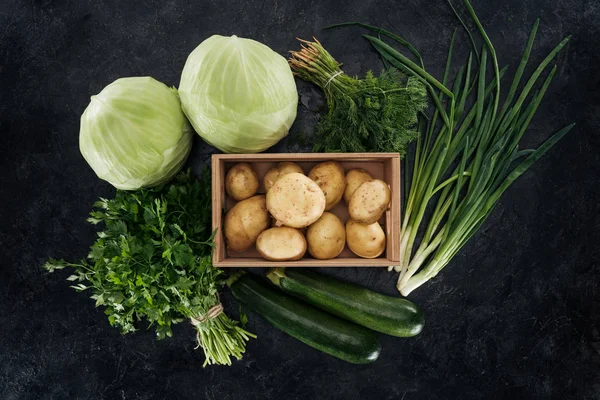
(297, 207)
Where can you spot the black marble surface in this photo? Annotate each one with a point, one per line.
(515, 315)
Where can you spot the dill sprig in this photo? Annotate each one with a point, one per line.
(377, 113)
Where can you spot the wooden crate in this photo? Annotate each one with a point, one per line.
(384, 166)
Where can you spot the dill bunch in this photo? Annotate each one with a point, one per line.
(377, 113)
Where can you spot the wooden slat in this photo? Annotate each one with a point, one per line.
(306, 157)
(305, 262)
(392, 172)
(217, 207)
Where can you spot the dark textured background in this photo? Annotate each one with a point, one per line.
(515, 315)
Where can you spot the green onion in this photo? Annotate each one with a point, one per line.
(464, 163)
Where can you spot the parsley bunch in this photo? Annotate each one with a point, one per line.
(377, 113)
(152, 261)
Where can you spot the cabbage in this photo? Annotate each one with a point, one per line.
(133, 133)
(239, 95)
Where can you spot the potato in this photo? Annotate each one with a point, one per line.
(366, 241)
(369, 201)
(326, 237)
(296, 201)
(355, 178)
(245, 221)
(330, 177)
(281, 244)
(241, 182)
(280, 170)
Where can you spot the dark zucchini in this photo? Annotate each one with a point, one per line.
(386, 314)
(308, 324)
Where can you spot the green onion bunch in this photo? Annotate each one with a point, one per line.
(468, 152)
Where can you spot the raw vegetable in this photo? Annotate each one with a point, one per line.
(239, 95)
(355, 178)
(133, 133)
(241, 182)
(468, 155)
(366, 241)
(372, 114)
(281, 244)
(369, 201)
(329, 175)
(386, 314)
(327, 237)
(283, 168)
(152, 261)
(295, 200)
(318, 329)
(245, 221)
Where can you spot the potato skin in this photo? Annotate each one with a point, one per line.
(355, 178)
(295, 200)
(241, 182)
(326, 237)
(366, 241)
(281, 244)
(245, 221)
(283, 168)
(329, 175)
(369, 201)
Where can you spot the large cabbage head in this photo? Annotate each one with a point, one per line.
(133, 133)
(239, 95)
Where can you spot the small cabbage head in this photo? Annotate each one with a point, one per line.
(239, 95)
(133, 133)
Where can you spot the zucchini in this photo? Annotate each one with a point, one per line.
(324, 332)
(386, 314)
